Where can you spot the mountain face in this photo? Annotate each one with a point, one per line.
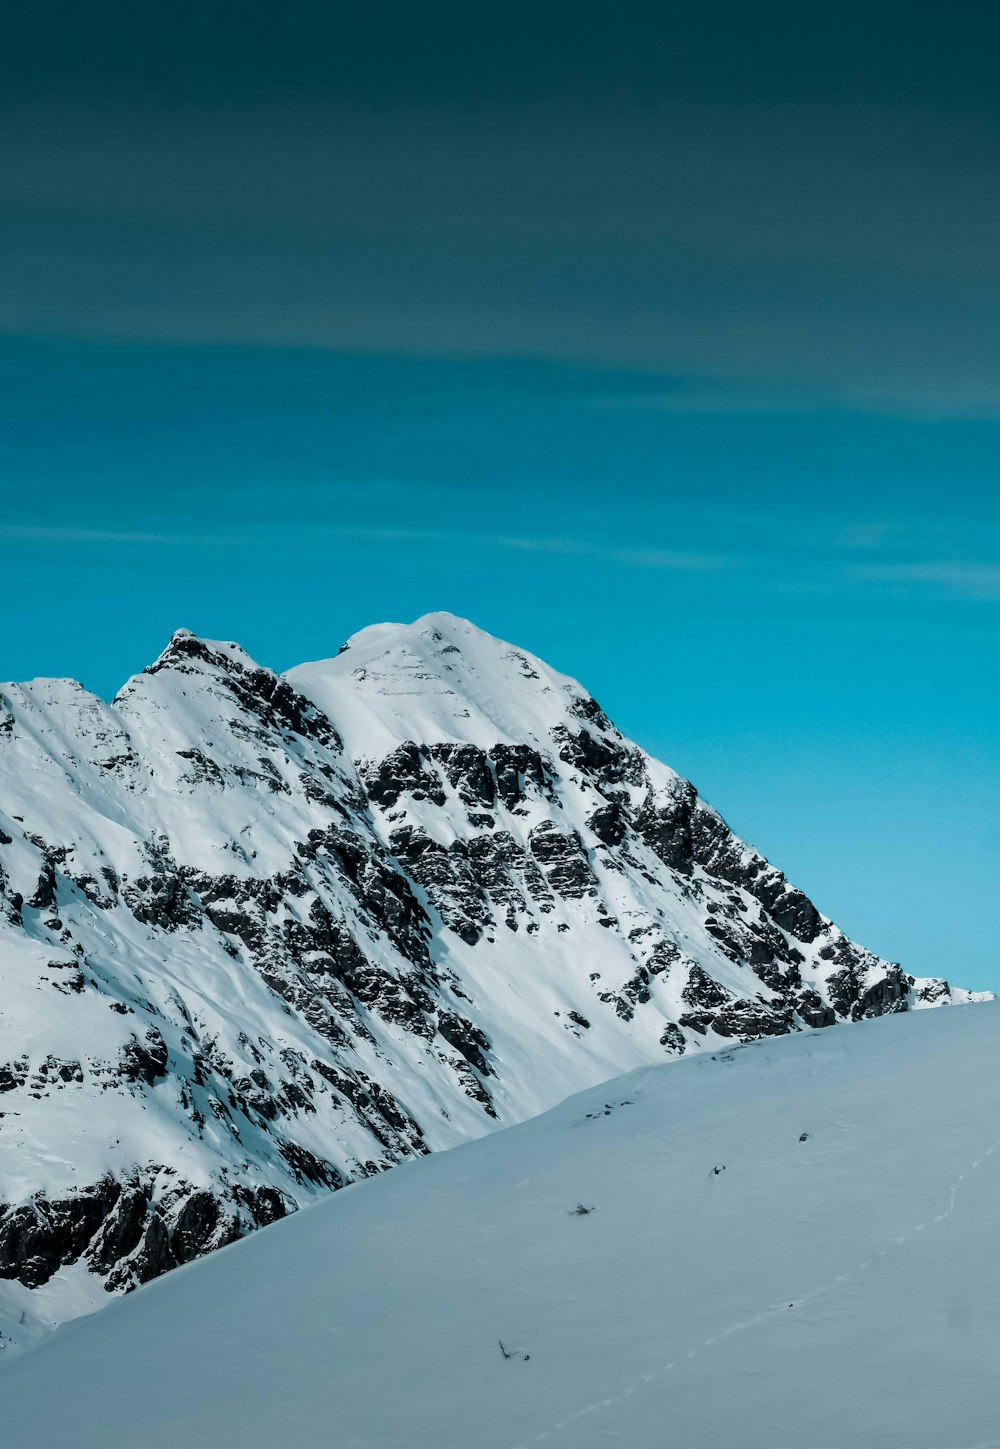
(264, 935)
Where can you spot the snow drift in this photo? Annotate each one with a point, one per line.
(788, 1244)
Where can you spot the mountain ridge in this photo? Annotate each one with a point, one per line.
(262, 935)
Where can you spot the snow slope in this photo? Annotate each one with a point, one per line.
(261, 936)
(791, 1245)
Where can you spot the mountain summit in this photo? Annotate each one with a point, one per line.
(263, 935)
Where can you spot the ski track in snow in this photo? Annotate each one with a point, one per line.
(767, 1315)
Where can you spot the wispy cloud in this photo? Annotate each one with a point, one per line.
(632, 555)
(635, 556)
(723, 397)
(125, 538)
(674, 560)
(49, 533)
(788, 568)
(864, 536)
(954, 576)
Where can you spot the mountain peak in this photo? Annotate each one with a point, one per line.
(188, 650)
(437, 626)
(265, 935)
(439, 677)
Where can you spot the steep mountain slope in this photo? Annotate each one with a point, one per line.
(790, 1244)
(262, 936)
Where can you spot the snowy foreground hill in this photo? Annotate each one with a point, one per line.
(263, 936)
(791, 1245)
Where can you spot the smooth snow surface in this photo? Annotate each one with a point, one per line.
(837, 1289)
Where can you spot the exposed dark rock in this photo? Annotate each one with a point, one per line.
(473, 1043)
(468, 770)
(121, 1230)
(584, 706)
(308, 1167)
(720, 854)
(449, 879)
(583, 751)
(698, 1021)
(405, 771)
(162, 897)
(702, 991)
(813, 1009)
(203, 769)
(564, 861)
(751, 1019)
(13, 1074)
(852, 996)
(195, 1226)
(44, 896)
(42, 1236)
(153, 1258)
(684, 833)
(609, 822)
(59, 1072)
(262, 694)
(664, 822)
(508, 874)
(265, 1204)
(673, 1038)
(520, 770)
(146, 1060)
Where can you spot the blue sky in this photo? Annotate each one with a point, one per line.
(791, 595)
(663, 340)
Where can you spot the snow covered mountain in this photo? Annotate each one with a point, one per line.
(787, 1244)
(262, 936)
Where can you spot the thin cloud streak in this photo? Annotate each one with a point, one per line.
(652, 558)
(674, 560)
(46, 533)
(970, 580)
(977, 581)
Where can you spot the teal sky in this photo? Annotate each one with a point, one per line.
(661, 339)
